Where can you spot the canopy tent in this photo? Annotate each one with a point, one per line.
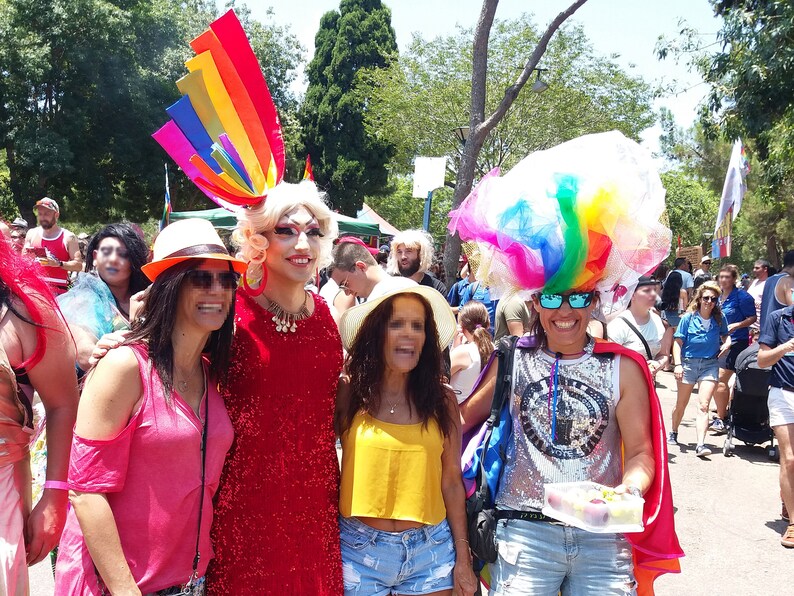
(221, 218)
(368, 214)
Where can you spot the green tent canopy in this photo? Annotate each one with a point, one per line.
(221, 218)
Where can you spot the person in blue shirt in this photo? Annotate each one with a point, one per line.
(776, 349)
(701, 337)
(738, 308)
(456, 291)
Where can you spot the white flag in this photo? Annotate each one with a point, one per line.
(734, 188)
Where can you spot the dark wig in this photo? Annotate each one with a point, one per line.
(137, 252)
(672, 290)
(156, 324)
(425, 392)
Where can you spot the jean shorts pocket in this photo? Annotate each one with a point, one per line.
(439, 534)
(355, 540)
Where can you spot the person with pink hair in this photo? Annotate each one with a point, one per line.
(36, 353)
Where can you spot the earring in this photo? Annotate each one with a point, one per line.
(258, 291)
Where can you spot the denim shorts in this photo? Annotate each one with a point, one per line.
(543, 559)
(673, 317)
(700, 369)
(376, 563)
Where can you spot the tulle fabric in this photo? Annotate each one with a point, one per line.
(585, 215)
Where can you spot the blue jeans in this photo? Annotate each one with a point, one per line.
(376, 563)
(544, 559)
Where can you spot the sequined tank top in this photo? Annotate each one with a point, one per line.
(587, 444)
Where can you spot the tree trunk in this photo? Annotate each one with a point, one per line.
(25, 210)
(479, 125)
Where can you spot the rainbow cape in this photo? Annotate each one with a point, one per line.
(585, 215)
(224, 131)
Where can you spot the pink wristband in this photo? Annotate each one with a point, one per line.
(56, 484)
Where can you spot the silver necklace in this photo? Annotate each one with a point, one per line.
(392, 406)
(287, 321)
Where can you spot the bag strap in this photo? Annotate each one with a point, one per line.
(642, 339)
(505, 352)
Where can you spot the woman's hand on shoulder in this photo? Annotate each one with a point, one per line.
(111, 393)
(106, 343)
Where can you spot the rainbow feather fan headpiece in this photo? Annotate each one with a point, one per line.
(584, 215)
(224, 131)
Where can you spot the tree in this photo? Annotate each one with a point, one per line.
(419, 99)
(481, 126)
(751, 89)
(347, 161)
(401, 209)
(691, 208)
(85, 83)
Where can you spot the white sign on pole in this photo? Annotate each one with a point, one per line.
(428, 175)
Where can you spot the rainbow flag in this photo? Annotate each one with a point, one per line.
(307, 172)
(165, 220)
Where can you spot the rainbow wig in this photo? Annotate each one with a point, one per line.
(585, 215)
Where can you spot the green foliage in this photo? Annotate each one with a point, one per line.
(691, 208)
(403, 211)
(420, 99)
(348, 162)
(85, 83)
(751, 89)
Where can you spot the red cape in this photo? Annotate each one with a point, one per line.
(656, 549)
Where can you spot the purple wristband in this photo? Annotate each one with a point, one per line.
(56, 484)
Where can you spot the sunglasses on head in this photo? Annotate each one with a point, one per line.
(202, 279)
(574, 300)
(709, 298)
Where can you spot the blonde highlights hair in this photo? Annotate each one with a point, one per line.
(473, 317)
(418, 239)
(709, 286)
(255, 221)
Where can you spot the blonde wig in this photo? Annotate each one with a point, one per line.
(418, 239)
(253, 222)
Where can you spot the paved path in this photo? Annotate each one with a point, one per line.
(728, 519)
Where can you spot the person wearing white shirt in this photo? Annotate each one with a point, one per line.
(639, 323)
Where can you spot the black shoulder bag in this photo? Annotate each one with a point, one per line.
(480, 510)
(642, 339)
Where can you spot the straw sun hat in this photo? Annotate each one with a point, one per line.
(188, 239)
(352, 319)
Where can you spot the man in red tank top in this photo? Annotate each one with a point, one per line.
(55, 248)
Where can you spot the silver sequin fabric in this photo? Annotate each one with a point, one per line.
(587, 444)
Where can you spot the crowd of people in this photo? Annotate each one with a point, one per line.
(223, 422)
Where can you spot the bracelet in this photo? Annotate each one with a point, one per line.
(462, 540)
(56, 484)
(674, 365)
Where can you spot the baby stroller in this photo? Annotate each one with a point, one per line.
(748, 415)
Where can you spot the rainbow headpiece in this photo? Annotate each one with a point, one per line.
(584, 215)
(224, 131)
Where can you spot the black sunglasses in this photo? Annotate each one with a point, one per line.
(709, 299)
(574, 299)
(202, 279)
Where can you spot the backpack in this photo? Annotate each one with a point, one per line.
(483, 458)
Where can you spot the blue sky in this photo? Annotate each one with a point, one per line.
(628, 28)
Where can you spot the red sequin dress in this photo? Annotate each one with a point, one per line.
(276, 528)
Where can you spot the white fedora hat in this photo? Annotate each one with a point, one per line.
(188, 239)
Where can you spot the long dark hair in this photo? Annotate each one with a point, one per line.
(671, 291)
(157, 324)
(137, 252)
(425, 391)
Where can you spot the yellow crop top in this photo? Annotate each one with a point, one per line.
(392, 471)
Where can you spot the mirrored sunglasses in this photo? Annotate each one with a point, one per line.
(574, 299)
(205, 280)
